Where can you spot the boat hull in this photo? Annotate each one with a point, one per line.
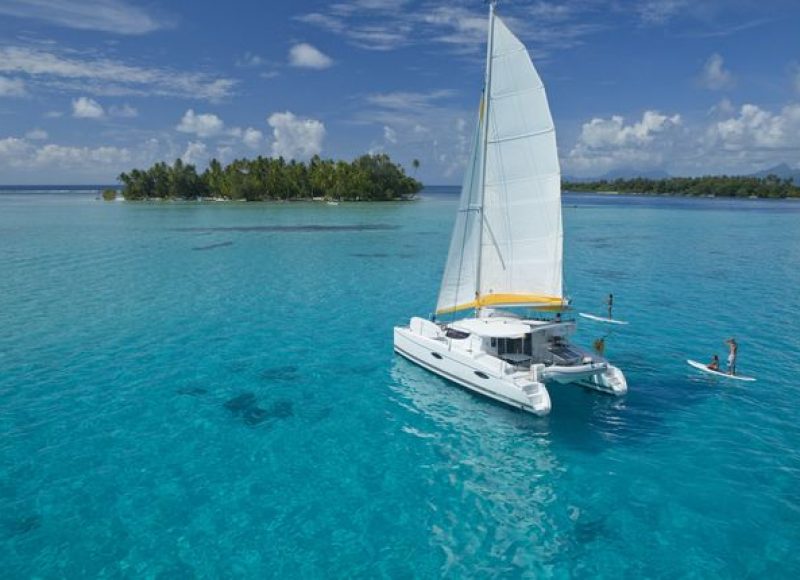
(436, 356)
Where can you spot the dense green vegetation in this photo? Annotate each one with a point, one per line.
(368, 178)
(109, 194)
(719, 186)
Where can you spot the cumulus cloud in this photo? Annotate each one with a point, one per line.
(252, 137)
(36, 135)
(389, 135)
(754, 128)
(12, 87)
(203, 125)
(304, 55)
(86, 108)
(714, 75)
(110, 77)
(196, 154)
(732, 139)
(295, 137)
(605, 144)
(613, 132)
(115, 16)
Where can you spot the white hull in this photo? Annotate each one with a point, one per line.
(517, 391)
(466, 362)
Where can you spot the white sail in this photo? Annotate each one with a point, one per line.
(514, 182)
(459, 281)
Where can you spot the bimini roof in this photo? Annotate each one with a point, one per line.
(494, 327)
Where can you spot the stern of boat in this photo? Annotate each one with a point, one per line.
(611, 381)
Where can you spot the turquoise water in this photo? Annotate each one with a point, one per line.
(200, 390)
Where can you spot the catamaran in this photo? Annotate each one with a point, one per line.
(504, 265)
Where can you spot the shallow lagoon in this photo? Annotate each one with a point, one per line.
(209, 390)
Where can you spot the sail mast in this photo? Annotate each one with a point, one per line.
(487, 91)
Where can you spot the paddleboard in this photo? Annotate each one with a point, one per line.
(601, 319)
(701, 367)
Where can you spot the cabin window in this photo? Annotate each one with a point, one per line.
(482, 375)
(457, 334)
(436, 355)
(512, 345)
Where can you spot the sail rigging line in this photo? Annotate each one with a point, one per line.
(487, 119)
(495, 243)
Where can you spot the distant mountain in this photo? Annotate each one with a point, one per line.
(782, 170)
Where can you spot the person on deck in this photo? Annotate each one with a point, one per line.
(714, 364)
(600, 345)
(733, 351)
(610, 303)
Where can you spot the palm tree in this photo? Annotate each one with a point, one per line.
(415, 165)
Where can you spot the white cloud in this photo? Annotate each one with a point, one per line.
(66, 156)
(606, 144)
(86, 108)
(252, 137)
(408, 101)
(115, 16)
(295, 137)
(203, 125)
(13, 151)
(12, 87)
(757, 129)
(196, 154)
(124, 110)
(110, 77)
(378, 25)
(660, 11)
(735, 140)
(714, 75)
(36, 135)
(28, 161)
(389, 135)
(613, 132)
(250, 60)
(304, 55)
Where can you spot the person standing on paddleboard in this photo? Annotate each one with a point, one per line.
(733, 351)
(610, 303)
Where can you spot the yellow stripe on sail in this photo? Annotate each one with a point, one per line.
(535, 300)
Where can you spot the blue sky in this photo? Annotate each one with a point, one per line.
(89, 88)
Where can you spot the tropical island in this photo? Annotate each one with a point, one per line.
(367, 178)
(770, 186)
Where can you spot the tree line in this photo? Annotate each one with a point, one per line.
(367, 178)
(718, 186)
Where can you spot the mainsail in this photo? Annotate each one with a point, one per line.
(506, 248)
